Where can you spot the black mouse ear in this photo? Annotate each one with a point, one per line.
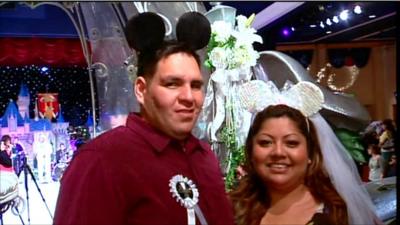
(194, 29)
(145, 31)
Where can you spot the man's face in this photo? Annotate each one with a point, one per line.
(171, 101)
(41, 138)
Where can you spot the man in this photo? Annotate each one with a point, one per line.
(153, 170)
(43, 150)
(19, 156)
(62, 154)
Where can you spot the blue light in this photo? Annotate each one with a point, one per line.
(335, 19)
(44, 69)
(344, 15)
(357, 9)
(285, 32)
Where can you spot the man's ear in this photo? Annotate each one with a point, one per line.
(140, 89)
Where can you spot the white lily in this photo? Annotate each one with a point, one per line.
(245, 34)
(222, 30)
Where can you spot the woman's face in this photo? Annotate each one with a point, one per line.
(279, 154)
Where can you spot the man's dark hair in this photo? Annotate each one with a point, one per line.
(147, 61)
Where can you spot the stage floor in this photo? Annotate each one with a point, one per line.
(38, 210)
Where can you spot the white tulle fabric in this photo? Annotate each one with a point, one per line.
(344, 175)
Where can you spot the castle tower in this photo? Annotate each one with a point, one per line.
(12, 118)
(60, 130)
(12, 123)
(61, 127)
(23, 100)
(36, 110)
(26, 123)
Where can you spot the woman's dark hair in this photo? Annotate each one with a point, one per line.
(389, 125)
(250, 200)
(5, 138)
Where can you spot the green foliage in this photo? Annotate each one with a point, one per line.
(228, 137)
(236, 160)
(352, 142)
(229, 44)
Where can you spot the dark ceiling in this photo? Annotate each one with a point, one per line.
(359, 27)
(48, 21)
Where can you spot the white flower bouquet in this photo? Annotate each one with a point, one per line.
(232, 48)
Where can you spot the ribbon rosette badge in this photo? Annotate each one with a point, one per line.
(185, 192)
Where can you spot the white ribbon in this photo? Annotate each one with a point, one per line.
(222, 92)
(191, 216)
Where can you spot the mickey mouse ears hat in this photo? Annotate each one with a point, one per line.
(146, 31)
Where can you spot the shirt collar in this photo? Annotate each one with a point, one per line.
(158, 140)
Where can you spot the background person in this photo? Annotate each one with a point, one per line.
(387, 142)
(5, 153)
(62, 154)
(375, 164)
(8, 178)
(392, 169)
(19, 156)
(43, 150)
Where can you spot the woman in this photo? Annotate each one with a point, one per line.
(5, 154)
(8, 178)
(386, 140)
(288, 181)
(375, 164)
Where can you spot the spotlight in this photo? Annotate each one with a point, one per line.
(371, 16)
(321, 24)
(328, 22)
(357, 9)
(285, 32)
(292, 28)
(313, 25)
(328, 31)
(344, 15)
(44, 69)
(335, 19)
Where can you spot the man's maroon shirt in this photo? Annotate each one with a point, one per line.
(122, 177)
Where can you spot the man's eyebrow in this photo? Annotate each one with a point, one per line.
(170, 78)
(201, 82)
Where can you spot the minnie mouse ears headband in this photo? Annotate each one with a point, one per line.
(146, 31)
(303, 96)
